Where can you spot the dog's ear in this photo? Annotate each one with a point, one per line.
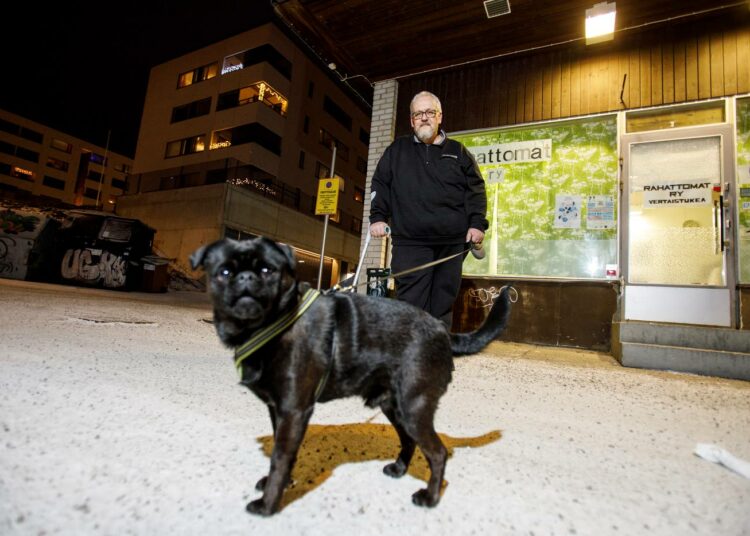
(198, 257)
(287, 251)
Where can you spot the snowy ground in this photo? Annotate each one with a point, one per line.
(120, 413)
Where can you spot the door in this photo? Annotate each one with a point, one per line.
(678, 261)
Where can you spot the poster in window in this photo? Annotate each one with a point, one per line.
(567, 211)
(600, 212)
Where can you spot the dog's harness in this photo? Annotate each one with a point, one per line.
(254, 343)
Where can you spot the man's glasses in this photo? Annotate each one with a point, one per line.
(432, 114)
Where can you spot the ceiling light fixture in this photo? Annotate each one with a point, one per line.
(600, 23)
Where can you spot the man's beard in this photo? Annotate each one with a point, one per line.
(425, 133)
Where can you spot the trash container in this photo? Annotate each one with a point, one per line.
(377, 281)
(155, 277)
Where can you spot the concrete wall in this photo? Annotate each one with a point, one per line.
(184, 219)
(187, 218)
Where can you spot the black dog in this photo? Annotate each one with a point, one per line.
(295, 347)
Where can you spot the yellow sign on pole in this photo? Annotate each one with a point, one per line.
(328, 197)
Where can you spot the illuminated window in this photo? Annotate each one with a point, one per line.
(359, 194)
(257, 92)
(22, 173)
(194, 144)
(263, 53)
(200, 74)
(61, 145)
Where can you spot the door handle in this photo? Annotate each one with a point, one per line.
(721, 219)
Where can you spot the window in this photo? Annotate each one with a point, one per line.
(94, 175)
(301, 161)
(27, 154)
(342, 151)
(249, 133)
(356, 225)
(119, 183)
(97, 159)
(257, 92)
(338, 113)
(306, 124)
(263, 53)
(18, 130)
(200, 74)
(310, 88)
(61, 145)
(124, 168)
(193, 144)
(55, 163)
(91, 193)
(53, 182)
(362, 165)
(191, 109)
(359, 194)
(22, 173)
(364, 136)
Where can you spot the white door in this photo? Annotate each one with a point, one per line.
(678, 259)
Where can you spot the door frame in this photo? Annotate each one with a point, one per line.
(642, 300)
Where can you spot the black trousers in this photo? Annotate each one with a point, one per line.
(432, 289)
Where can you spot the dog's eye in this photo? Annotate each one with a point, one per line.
(265, 270)
(225, 272)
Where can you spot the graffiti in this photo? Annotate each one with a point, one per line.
(109, 269)
(482, 297)
(6, 262)
(14, 223)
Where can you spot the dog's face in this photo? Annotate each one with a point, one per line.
(249, 282)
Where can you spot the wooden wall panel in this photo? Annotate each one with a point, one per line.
(579, 81)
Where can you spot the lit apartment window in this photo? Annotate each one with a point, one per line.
(327, 139)
(257, 92)
(61, 145)
(263, 53)
(22, 173)
(56, 163)
(249, 133)
(359, 194)
(97, 159)
(200, 74)
(193, 144)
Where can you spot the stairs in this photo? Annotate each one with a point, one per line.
(705, 350)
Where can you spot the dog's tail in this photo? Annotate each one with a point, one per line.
(491, 328)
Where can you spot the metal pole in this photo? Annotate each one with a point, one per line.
(104, 169)
(325, 222)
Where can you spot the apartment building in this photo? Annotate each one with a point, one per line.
(234, 138)
(41, 161)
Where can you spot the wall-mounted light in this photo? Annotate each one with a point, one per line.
(600, 23)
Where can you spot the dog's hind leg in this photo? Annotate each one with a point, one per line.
(399, 467)
(418, 423)
(290, 430)
(261, 484)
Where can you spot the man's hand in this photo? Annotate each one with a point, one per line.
(379, 229)
(475, 236)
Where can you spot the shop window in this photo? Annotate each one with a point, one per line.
(691, 115)
(743, 187)
(552, 199)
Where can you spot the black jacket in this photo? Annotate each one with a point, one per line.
(429, 194)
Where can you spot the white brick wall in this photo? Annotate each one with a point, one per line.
(382, 129)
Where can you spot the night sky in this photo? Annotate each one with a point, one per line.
(84, 71)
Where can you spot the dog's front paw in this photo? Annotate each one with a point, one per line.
(261, 484)
(423, 498)
(258, 507)
(396, 469)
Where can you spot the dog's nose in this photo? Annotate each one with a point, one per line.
(245, 277)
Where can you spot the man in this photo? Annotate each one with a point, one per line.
(429, 189)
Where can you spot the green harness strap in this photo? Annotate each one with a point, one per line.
(255, 342)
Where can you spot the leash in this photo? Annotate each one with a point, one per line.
(346, 287)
